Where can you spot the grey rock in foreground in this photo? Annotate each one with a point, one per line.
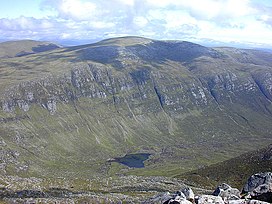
(227, 192)
(259, 186)
(243, 201)
(258, 190)
(209, 199)
(189, 194)
(256, 180)
(161, 198)
(177, 198)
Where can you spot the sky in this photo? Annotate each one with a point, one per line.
(210, 22)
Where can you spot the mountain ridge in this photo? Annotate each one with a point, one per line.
(9, 49)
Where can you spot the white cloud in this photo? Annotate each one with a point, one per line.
(25, 23)
(249, 31)
(175, 19)
(77, 9)
(72, 9)
(239, 8)
(101, 25)
(127, 2)
(140, 21)
(208, 9)
(220, 20)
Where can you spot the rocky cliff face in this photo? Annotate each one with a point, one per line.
(82, 105)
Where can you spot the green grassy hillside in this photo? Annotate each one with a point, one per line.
(235, 171)
(24, 47)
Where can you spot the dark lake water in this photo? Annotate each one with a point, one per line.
(133, 160)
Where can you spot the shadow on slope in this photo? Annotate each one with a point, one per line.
(24, 47)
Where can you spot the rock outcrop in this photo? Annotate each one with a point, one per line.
(209, 199)
(258, 188)
(177, 198)
(256, 180)
(227, 192)
(188, 193)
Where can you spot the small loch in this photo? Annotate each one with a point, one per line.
(133, 160)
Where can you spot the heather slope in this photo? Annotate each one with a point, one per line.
(234, 171)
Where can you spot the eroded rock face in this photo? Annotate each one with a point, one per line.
(174, 92)
(97, 81)
(51, 106)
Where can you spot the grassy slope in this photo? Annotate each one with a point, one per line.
(12, 48)
(235, 171)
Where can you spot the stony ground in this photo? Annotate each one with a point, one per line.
(133, 189)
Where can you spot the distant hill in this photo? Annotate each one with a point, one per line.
(234, 171)
(24, 47)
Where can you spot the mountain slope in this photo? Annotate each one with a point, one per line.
(24, 47)
(68, 111)
(235, 171)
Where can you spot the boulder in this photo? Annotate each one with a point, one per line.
(167, 198)
(227, 192)
(161, 198)
(263, 192)
(223, 186)
(209, 199)
(260, 187)
(177, 200)
(243, 201)
(240, 201)
(189, 194)
(180, 195)
(256, 202)
(256, 180)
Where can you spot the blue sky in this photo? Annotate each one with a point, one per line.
(216, 22)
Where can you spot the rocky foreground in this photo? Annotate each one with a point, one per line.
(257, 190)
